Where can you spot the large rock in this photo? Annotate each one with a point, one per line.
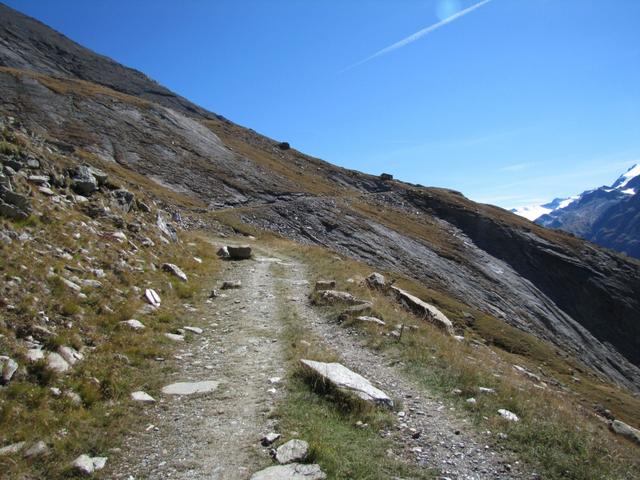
(293, 471)
(376, 280)
(347, 381)
(242, 252)
(125, 200)
(293, 451)
(56, 363)
(86, 465)
(14, 205)
(175, 271)
(625, 430)
(424, 309)
(83, 181)
(166, 228)
(151, 297)
(335, 297)
(8, 367)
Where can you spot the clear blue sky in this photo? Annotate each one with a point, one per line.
(514, 102)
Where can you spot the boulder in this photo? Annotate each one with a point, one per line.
(424, 309)
(507, 415)
(293, 471)
(347, 381)
(292, 451)
(86, 465)
(625, 430)
(166, 228)
(242, 252)
(376, 280)
(56, 363)
(14, 205)
(333, 297)
(151, 297)
(83, 181)
(133, 324)
(322, 285)
(8, 367)
(175, 271)
(70, 355)
(125, 200)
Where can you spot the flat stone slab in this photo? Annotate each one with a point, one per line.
(420, 307)
(141, 396)
(346, 380)
(189, 388)
(366, 319)
(625, 430)
(293, 471)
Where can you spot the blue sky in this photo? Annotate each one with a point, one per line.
(513, 102)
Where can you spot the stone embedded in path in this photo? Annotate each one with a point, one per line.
(625, 430)
(293, 451)
(507, 415)
(325, 285)
(231, 284)
(152, 297)
(175, 271)
(375, 320)
(189, 388)
(141, 396)
(347, 381)
(293, 471)
(242, 252)
(425, 309)
(133, 324)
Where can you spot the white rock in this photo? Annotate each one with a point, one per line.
(133, 324)
(71, 285)
(189, 388)
(141, 396)
(293, 471)
(11, 449)
(99, 462)
(292, 451)
(175, 271)
(486, 390)
(56, 363)
(346, 380)
(625, 430)
(91, 283)
(152, 297)
(34, 354)
(38, 449)
(70, 355)
(8, 367)
(196, 330)
(375, 320)
(269, 438)
(421, 307)
(175, 337)
(472, 400)
(83, 464)
(507, 415)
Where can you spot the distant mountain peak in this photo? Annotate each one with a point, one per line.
(626, 177)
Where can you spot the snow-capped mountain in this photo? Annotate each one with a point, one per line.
(609, 215)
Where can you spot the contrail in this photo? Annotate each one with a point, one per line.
(418, 34)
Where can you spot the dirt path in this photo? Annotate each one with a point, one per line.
(216, 435)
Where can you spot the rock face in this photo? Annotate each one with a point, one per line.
(239, 253)
(292, 451)
(424, 309)
(347, 381)
(584, 300)
(293, 471)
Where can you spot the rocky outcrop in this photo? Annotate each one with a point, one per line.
(424, 310)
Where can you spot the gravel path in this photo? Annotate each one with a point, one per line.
(217, 435)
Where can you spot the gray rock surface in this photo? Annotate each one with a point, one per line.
(190, 388)
(344, 379)
(293, 471)
(56, 363)
(175, 271)
(292, 451)
(424, 309)
(626, 431)
(8, 367)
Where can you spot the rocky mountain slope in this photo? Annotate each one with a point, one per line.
(583, 299)
(606, 215)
